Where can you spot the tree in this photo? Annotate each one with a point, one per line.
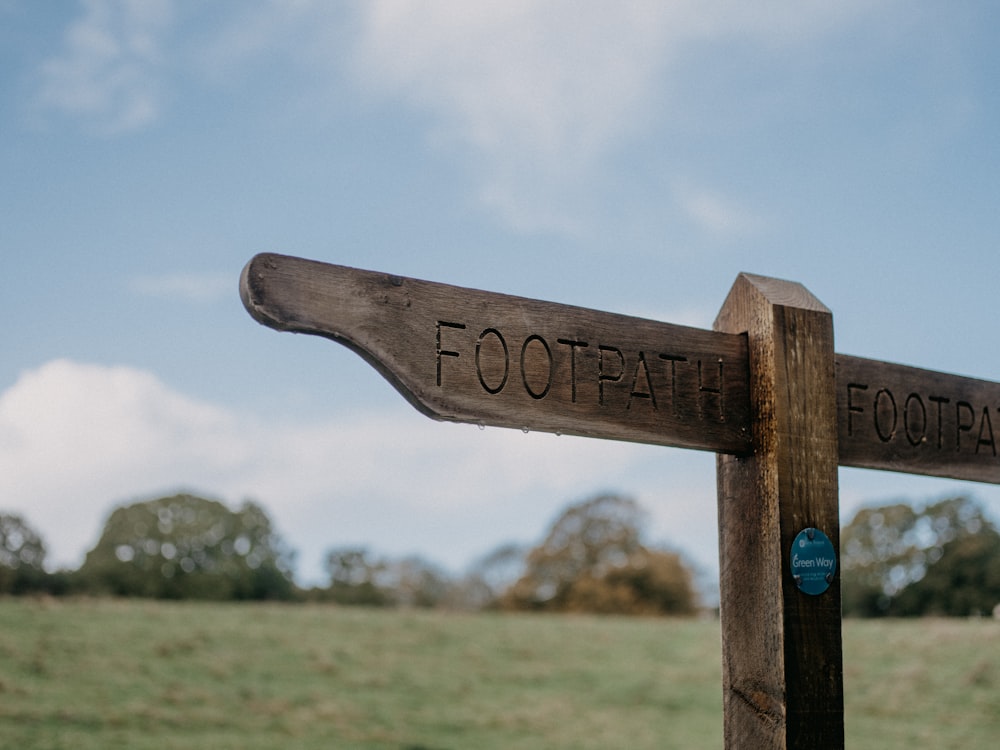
(964, 581)
(22, 556)
(489, 577)
(902, 561)
(652, 582)
(415, 582)
(189, 547)
(591, 538)
(593, 559)
(358, 578)
(354, 578)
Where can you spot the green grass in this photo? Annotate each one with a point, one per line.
(922, 683)
(106, 674)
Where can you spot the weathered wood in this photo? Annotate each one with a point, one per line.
(764, 390)
(465, 355)
(782, 655)
(470, 356)
(917, 421)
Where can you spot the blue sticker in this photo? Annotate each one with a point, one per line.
(813, 561)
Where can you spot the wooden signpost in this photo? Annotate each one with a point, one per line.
(764, 390)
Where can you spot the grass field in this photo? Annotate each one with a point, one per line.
(138, 674)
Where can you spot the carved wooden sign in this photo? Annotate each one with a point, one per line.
(763, 389)
(917, 421)
(465, 355)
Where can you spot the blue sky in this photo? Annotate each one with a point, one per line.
(631, 157)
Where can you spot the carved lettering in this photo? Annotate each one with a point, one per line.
(573, 346)
(641, 371)
(602, 374)
(940, 401)
(963, 425)
(885, 405)
(441, 352)
(548, 364)
(915, 435)
(492, 332)
(853, 408)
(986, 432)
(704, 389)
(673, 359)
(922, 420)
(530, 364)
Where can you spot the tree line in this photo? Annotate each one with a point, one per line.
(896, 560)
(905, 561)
(178, 547)
(594, 558)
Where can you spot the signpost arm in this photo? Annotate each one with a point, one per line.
(782, 654)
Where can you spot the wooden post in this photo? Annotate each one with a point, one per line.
(781, 647)
(764, 391)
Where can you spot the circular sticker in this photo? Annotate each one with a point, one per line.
(813, 561)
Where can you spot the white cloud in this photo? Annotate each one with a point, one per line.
(541, 92)
(537, 91)
(715, 213)
(187, 287)
(107, 71)
(309, 32)
(76, 439)
(536, 95)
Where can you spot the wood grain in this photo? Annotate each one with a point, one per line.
(465, 355)
(782, 654)
(471, 356)
(917, 421)
(764, 390)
